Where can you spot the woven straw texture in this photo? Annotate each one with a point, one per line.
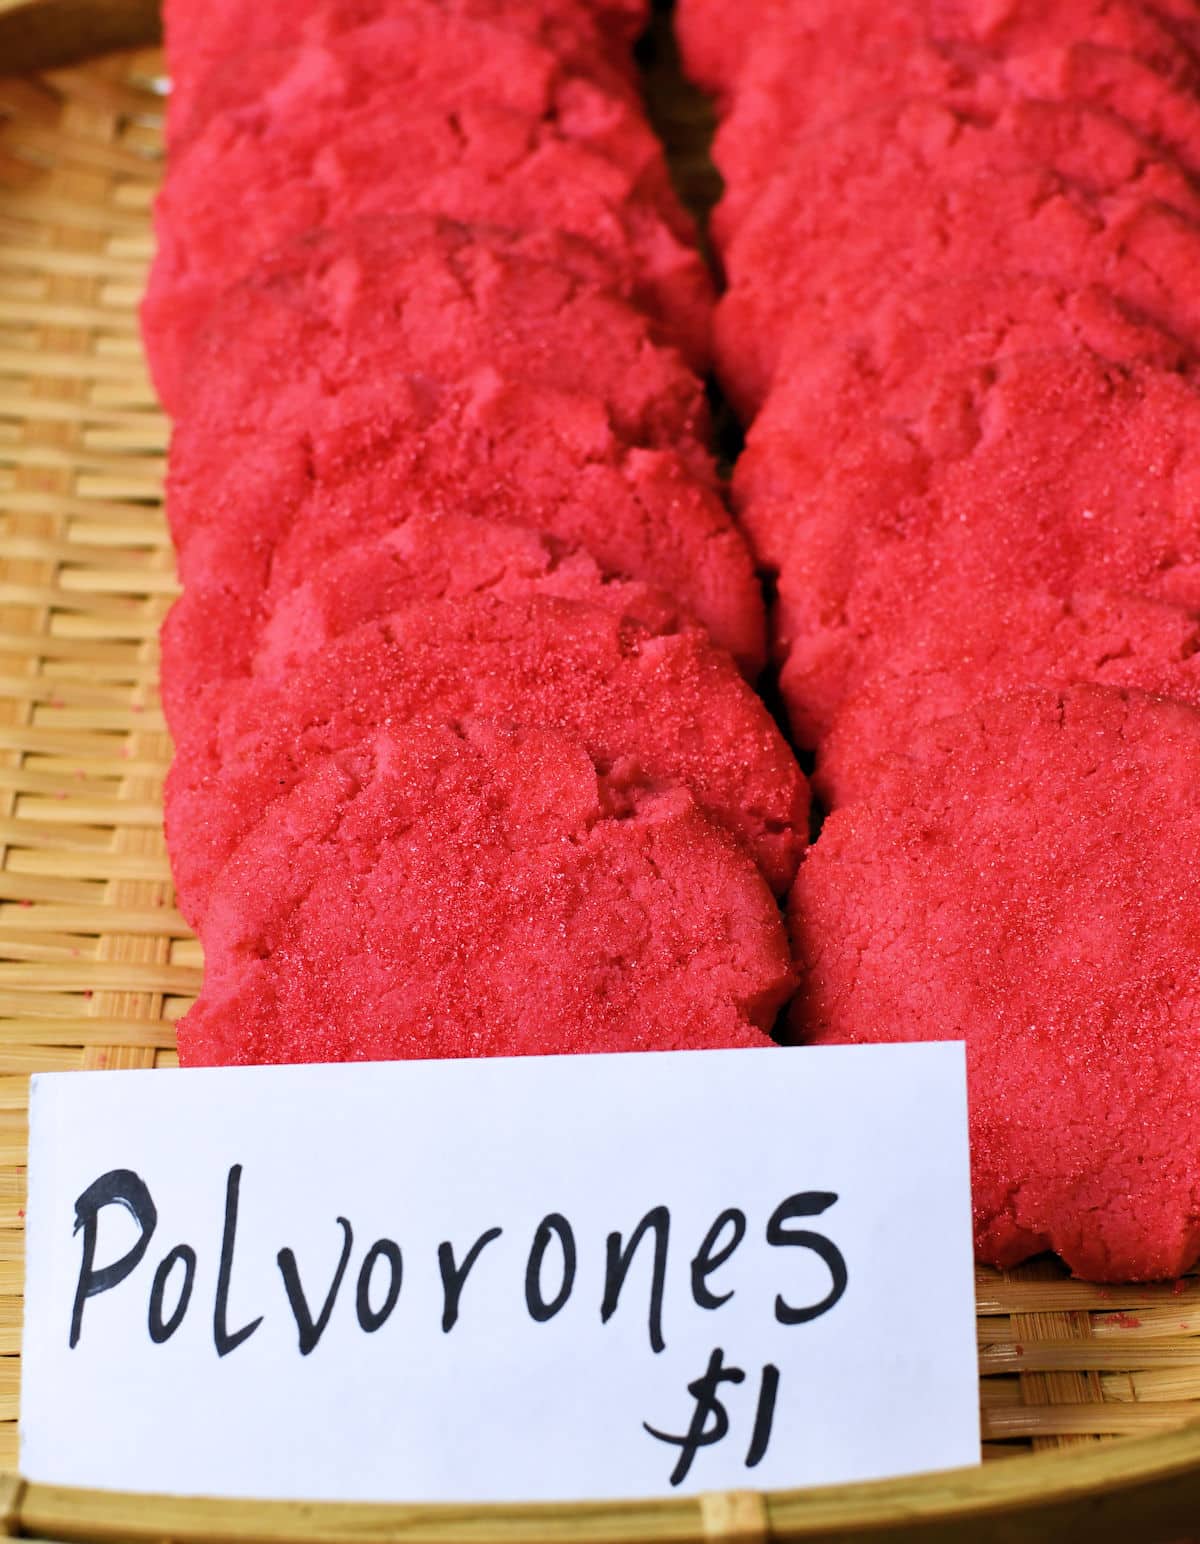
(95, 962)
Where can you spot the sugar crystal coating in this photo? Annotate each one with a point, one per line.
(918, 192)
(480, 891)
(809, 66)
(257, 510)
(368, 152)
(1061, 471)
(653, 711)
(722, 40)
(227, 627)
(910, 368)
(965, 645)
(407, 295)
(459, 768)
(204, 36)
(214, 33)
(1023, 879)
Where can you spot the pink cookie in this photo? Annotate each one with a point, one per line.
(422, 61)
(714, 36)
(205, 35)
(344, 135)
(653, 709)
(918, 194)
(1021, 880)
(901, 373)
(221, 629)
(478, 892)
(817, 63)
(718, 37)
(214, 43)
(1060, 472)
(965, 645)
(415, 295)
(256, 513)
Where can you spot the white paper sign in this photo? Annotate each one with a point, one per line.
(550, 1278)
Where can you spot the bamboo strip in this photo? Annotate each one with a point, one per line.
(1086, 1355)
(1113, 1492)
(1086, 1420)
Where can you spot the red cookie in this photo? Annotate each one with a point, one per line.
(445, 558)
(416, 295)
(717, 37)
(658, 710)
(215, 43)
(919, 193)
(1022, 880)
(220, 630)
(714, 36)
(205, 35)
(814, 64)
(256, 513)
(1115, 23)
(338, 139)
(964, 645)
(421, 60)
(1057, 471)
(899, 373)
(481, 892)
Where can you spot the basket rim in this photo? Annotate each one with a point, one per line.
(1098, 1492)
(49, 34)
(1102, 1489)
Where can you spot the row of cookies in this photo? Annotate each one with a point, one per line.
(961, 242)
(467, 758)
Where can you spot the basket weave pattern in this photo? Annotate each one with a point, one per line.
(95, 963)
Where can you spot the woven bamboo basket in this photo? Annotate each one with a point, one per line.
(1086, 1393)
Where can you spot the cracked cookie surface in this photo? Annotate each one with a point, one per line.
(653, 711)
(1062, 472)
(917, 192)
(481, 163)
(255, 510)
(1022, 879)
(807, 67)
(474, 891)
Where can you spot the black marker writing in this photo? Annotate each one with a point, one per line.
(809, 1203)
(699, 1433)
(162, 1329)
(556, 1259)
(708, 1257)
(618, 1261)
(370, 1318)
(119, 1187)
(764, 1416)
(556, 1225)
(310, 1329)
(222, 1339)
(454, 1277)
(710, 1419)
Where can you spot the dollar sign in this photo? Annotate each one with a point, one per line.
(699, 1433)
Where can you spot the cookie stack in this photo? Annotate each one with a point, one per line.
(962, 243)
(467, 761)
